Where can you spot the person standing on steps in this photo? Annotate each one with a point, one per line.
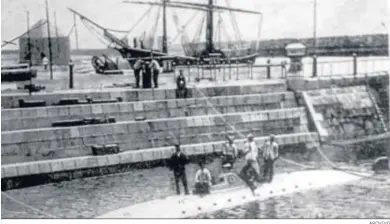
(181, 88)
(137, 71)
(177, 163)
(270, 155)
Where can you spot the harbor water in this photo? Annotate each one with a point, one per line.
(88, 198)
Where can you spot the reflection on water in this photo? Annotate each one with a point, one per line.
(91, 197)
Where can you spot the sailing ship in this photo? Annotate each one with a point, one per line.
(195, 51)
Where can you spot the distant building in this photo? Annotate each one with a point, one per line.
(39, 41)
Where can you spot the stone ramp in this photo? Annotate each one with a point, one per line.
(43, 117)
(54, 143)
(343, 113)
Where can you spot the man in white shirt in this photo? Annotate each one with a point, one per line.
(137, 71)
(202, 180)
(251, 153)
(270, 155)
(155, 68)
(45, 62)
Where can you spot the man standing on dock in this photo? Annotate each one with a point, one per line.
(155, 69)
(177, 163)
(270, 154)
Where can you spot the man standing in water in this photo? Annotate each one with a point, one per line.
(270, 154)
(251, 155)
(229, 152)
(177, 163)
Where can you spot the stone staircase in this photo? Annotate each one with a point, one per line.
(146, 130)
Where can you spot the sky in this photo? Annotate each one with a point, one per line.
(280, 19)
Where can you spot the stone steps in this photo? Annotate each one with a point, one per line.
(88, 162)
(41, 117)
(132, 95)
(18, 146)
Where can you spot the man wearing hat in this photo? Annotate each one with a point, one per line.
(251, 154)
(177, 163)
(270, 154)
(229, 152)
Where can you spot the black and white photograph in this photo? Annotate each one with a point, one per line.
(195, 109)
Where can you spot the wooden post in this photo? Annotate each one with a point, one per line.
(268, 69)
(354, 64)
(189, 71)
(314, 65)
(237, 69)
(71, 65)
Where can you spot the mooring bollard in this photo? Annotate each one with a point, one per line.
(237, 69)
(223, 70)
(354, 64)
(174, 71)
(230, 69)
(284, 69)
(315, 66)
(189, 71)
(268, 69)
(71, 65)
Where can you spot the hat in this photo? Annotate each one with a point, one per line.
(250, 136)
(229, 138)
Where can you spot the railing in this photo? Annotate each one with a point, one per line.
(277, 68)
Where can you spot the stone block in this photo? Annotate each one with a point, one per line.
(125, 157)
(131, 96)
(145, 95)
(23, 169)
(97, 109)
(170, 94)
(208, 148)
(159, 94)
(113, 159)
(69, 164)
(102, 161)
(137, 156)
(171, 103)
(9, 171)
(86, 110)
(34, 167)
(168, 151)
(56, 166)
(47, 167)
(138, 106)
(158, 154)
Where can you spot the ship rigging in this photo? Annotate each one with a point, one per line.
(195, 52)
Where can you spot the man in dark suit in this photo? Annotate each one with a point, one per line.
(177, 163)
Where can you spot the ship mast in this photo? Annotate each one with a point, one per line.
(164, 38)
(209, 28)
(49, 39)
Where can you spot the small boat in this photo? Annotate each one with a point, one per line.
(232, 192)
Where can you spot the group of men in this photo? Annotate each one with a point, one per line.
(148, 70)
(250, 173)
